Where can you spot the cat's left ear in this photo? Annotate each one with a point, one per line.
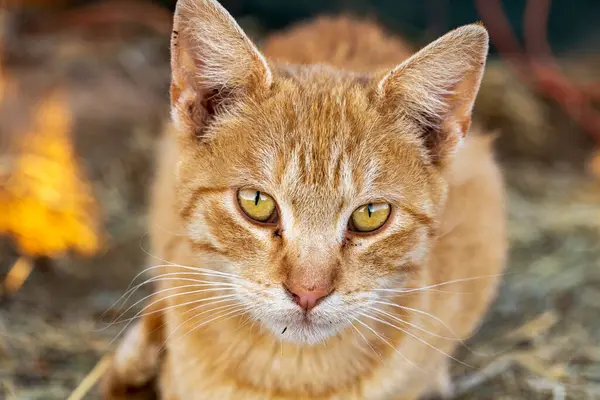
(214, 64)
(437, 87)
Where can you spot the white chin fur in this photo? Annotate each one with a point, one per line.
(276, 312)
(289, 323)
(303, 331)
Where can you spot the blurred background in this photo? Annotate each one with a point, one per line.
(84, 95)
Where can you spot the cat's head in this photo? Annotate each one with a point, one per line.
(316, 187)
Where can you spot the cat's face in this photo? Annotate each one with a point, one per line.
(281, 191)
(315, 187)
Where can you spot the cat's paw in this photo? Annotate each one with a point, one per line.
(116, 387)
(135, 366)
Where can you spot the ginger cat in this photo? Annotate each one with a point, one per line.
(328, 228)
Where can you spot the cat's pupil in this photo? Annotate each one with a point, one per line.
(257, 198)
(370, 209)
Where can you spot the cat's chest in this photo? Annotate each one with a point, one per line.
(197, 374)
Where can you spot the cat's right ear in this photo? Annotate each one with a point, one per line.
(436, 88)
(213, 64)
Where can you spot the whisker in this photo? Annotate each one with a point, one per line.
(198, 270)
(167, 262)
(227, 307)
(392, 316)
(253, 323)
(187, 267)
(439, 284)
(212, 288)
(195, 270)
(246, 322)
(224, 299)
(193, 273)
(172, 264)
(178, 305)
(435, 291)
(126, 296)
(190, 268)
(236, 311)
(365, 339)
(416, 337)
(423, 313)
(456, 337)
(212, 303)
(167, 308)
(388, 343)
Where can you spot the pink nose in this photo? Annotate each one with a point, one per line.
(308, 299)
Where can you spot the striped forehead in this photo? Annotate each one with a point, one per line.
(324, 143)
(325, 171)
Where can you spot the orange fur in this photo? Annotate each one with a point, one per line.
(297, 124)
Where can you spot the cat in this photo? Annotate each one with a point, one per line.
(327, 227)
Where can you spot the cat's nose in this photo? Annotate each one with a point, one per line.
(308, 299)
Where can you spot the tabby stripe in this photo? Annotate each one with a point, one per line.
(420, 217)
(188, 209)
(206, 248)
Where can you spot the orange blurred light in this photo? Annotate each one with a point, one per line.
(46, 205)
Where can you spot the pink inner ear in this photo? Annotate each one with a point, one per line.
(210, 50)
(437, 87)
(465, 123)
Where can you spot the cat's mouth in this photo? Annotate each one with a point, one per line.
(288, 321)
(305, 327)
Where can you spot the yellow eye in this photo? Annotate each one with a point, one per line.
(257, 205)
(369, 217)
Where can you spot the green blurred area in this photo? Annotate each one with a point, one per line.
(574, 25)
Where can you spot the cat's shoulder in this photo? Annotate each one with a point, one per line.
(475, 158)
